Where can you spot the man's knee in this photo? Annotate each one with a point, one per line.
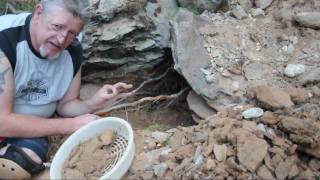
(38, 145)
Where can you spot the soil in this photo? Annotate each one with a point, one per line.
(281, 144)
(90, 159)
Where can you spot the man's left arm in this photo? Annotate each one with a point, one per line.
(71, 105)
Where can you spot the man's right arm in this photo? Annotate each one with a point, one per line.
(18, 125)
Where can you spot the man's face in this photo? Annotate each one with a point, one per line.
(55, 31)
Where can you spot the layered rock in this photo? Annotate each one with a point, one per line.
(126, 39)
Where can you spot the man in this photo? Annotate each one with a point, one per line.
(40, 74)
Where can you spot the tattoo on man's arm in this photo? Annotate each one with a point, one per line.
(2, 55)
(2, 80)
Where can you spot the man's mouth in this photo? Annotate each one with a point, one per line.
(55, 45)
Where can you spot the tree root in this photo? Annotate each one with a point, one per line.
(143, 100)
(143, 84)
(152, 80)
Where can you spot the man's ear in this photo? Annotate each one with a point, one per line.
(38, 11)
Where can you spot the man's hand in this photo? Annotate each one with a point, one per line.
(110, 93)
(78, 121)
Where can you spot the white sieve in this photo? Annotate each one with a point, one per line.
(122, 147)
(117, 149)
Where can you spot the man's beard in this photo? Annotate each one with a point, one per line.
(44, 53)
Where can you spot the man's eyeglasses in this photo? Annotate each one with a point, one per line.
(61, 30)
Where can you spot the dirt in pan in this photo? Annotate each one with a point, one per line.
(92, 158)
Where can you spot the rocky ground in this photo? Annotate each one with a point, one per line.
(253, 70)
(255, 96)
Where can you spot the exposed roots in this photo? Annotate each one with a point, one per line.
(135, 91)
(144, 100)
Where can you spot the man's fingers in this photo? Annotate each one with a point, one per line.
(116, 90)
(109, 90)
(122, 86)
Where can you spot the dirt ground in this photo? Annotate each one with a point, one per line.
(283, 143)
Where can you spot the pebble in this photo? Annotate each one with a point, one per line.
(257, 12)
(239, 12)
(160, 136)
(308, 19)
(226, 73)
(261, 127)
(252, 113)
(284, 49)
(204, 71)
(198, 158)
(152, 145)
(293, 39)
(235, 86)
(290, 49)
(210, 164)
(263, 4)
(293, 70)
(220, 152)
(160, 169)
(210, 78)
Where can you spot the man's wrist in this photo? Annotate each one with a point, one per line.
(91, 106)
(63, 126)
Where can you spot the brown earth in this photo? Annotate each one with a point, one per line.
(282, 143)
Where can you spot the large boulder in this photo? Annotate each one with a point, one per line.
(126, 39)
(188, 52)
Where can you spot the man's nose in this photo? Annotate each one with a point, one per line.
(62, 37)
